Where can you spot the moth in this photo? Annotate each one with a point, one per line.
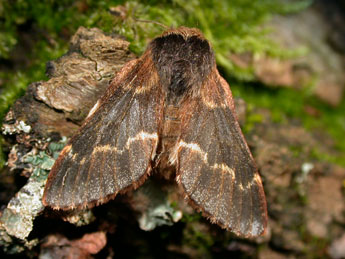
(170, 108)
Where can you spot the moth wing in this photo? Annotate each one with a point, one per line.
(112, 151)
(214, 165)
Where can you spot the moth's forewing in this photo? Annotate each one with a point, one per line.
(113, 149)
(214, 165)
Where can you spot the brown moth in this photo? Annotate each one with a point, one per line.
(169, 108)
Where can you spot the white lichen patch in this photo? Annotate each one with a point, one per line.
(16, 128)
(22, 209)
(162, 214)
(23, 127)
(17, 219)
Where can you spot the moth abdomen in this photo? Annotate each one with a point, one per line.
(171, 130)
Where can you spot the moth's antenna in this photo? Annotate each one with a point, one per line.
(155, 22)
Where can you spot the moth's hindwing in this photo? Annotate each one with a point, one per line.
(214, 165)
(113, 150)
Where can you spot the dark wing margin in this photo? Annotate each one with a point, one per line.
(214, 165)
(113, 150)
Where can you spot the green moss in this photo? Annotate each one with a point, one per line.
(251, 119)
(231, 26)
(296, 150)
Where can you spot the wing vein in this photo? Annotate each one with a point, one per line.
(223, 160)
(75, 182)
(117, 136)
(101, 189)
(193, 187)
